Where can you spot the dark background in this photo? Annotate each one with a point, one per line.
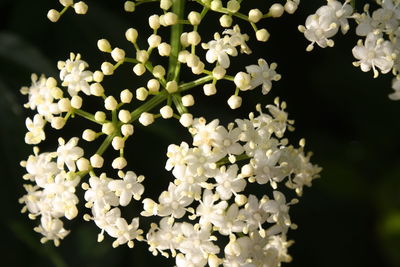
(350, 217)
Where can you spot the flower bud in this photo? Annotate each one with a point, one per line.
(129, 6)
(96, 89)
(118, 54)
(193, 38)
(146, 118)
(53, 15)
(165, 4)
(100, 116)
(233, 6)
(118, 143)
(64, 104)
(242, 80)
(158, 71)
(154, 22)
(126, 96)
(119, 163)
(127, 129)
(58, 123)
(170, 19)
(80, 8)
(124, 116)
(154, 40)
(184, 39)
(235, 101)
(104, 45)
(96, 161)
(209, 89)
(108, 128)
(141, 94)
(225, 21)
(139, 69)
(187, 100)
(291, 7)
(153, 85)
(98, 76)
(76, 102)
(186, 119)
(89, 135)
(164, 49)
(131, 35)
(218, 72)
(110, 103)
(216, 5)
(255, 15)
(166, 112)
(262, 35)
(82, 164)
(172, 87)
(66, 2)
(194, 18)
(107, 68)
(142, 56)
(198, 69)
(276, 10)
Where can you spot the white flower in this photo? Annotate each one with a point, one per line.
(238, 39)
(228, 182)
(51, 229)
(74, 75)
(68, 153)
(129, 187)
(231, 222)
(99, 195)
(35, 128)
(124, 232)
(375, 53)
(173, 202)
(198, 242)
(279, 210)
(208, 211)
(40, 168)
(264, 166)
(263, 75)
(219, 49)
(42, 94)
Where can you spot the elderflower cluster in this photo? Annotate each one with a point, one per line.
(212, 193)
(378, 52)
(209, 213)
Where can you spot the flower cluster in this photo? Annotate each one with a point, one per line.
(380, 49)
(211, 191)
(211, 197)
(53, 194)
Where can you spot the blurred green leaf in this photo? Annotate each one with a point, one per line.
(25, 234)
(14, 49)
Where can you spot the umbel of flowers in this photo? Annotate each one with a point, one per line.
(208, 214)
(379, 51)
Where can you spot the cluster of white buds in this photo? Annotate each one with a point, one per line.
(379, 52)
(79, 7)
(210, 197)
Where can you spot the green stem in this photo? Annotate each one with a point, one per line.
(178, 8)
(177, 99)
(156, 100)
(225, 160)
(85, 115)
(192, 84)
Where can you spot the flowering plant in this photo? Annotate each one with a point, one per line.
(208, 214)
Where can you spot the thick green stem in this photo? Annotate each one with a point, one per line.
(192, 84)
(178, 8)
